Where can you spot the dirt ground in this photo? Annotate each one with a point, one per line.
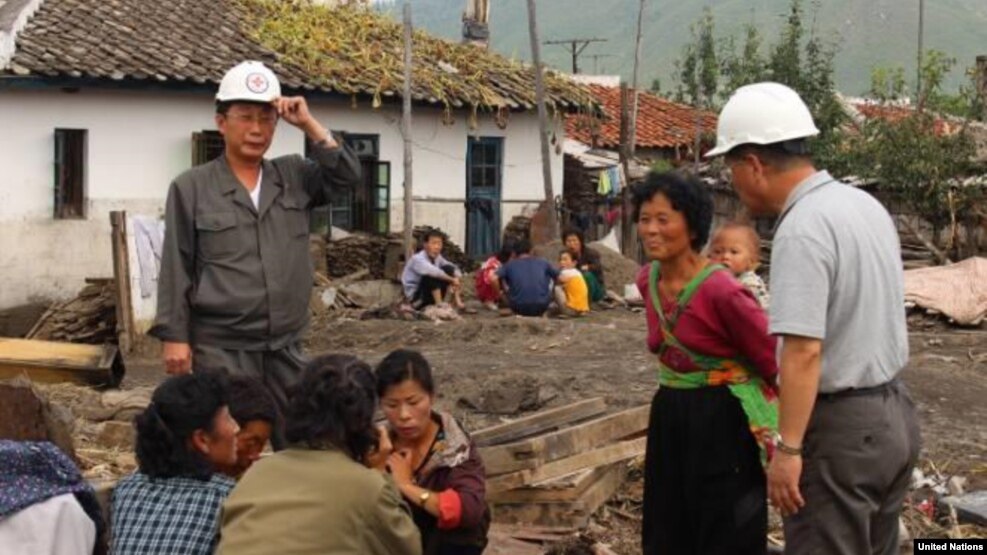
(488, 367)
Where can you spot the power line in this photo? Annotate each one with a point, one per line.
(575, 48)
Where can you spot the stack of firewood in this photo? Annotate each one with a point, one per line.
(88, 318)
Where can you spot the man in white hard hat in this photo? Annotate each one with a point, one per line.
(236, 275)
(848, 431)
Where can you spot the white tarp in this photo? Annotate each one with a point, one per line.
(959, 290)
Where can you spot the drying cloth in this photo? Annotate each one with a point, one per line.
(149, 240)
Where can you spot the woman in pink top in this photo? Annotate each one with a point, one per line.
(714, 415)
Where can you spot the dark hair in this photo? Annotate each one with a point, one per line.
(179, 406)
(250, 400)
(403, 365)
(522, 246)
(333, 405)
(572, 254)
(687, 195)
(223, 106)
(432, 232)
(506, 250)
(570, 231)
(781, 155)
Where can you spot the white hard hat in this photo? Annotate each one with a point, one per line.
(249, 81)
(762, 114)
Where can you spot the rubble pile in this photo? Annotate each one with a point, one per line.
(88, 318)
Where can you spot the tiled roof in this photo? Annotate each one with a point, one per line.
(893, 114)
(196, 41)
(661, 123)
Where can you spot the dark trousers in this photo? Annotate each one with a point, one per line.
(859, 451)
(704, 486)
(529, 309)
(424, 294)
(277, 370)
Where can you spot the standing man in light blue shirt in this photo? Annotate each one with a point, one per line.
(848, 431)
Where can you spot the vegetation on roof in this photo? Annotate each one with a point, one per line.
(355, 50)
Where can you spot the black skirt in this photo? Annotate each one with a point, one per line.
(704, 487)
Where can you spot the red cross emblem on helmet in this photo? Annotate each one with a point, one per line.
(257, 83)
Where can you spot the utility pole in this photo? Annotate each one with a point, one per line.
(918, 67)
(409, 241)
(596, 59)
(627, 241)
(575, 48)
(546, 161)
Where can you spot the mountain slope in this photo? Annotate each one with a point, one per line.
(869, 32)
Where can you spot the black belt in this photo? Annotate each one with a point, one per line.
(859, 391)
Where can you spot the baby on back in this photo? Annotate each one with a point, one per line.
(738, 247)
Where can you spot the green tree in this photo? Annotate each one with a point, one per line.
(747, 67)
(698, 70)
(914, 156)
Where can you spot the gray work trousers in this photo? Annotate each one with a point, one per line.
(859, 451)
(277, 370)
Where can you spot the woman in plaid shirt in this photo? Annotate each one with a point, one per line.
(171, 504)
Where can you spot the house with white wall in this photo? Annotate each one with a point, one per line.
(102, 104)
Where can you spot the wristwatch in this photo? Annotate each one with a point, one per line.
(424, 497)
(785, 448)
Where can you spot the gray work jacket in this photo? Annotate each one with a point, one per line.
(240, 277)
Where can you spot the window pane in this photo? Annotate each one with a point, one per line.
(382, 198)
(384, 175)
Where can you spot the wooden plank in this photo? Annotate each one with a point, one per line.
(567, 514)
(539, 422)
(533, 452)
(588, 459)
(567, 488)
(121, 274)
(54, 362)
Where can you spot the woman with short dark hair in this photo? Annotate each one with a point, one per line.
(318, 495)
(715, 412)
(171, 504)
(435, 464)
(588, 262)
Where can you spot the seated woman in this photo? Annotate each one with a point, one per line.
(318, 495)
(435, 464)
(715, 413)
(46, 507)
(171, 504)
(588, 262)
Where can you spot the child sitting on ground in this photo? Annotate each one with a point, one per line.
(738, 247)
(487, 291)
(571, 293)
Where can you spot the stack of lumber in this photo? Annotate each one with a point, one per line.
(555, 468)
(356, 252)
(88, 318)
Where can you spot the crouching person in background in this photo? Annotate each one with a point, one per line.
(171, 503)
(318, 495)
(435, 463)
